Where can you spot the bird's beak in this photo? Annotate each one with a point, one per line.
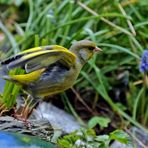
(97, 49)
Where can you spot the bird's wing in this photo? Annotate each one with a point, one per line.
(40, 57)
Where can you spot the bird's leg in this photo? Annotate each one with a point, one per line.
(23, 112)
(3, 109)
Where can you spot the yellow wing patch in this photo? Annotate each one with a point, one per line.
(41, 57)
(27, 78)
(35, 49)
(69, 56)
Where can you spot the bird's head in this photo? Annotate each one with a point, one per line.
(84, 49)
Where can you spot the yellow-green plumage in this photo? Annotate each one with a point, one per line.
(27, 78)
(49, 69)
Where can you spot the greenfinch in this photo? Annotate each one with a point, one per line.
(49, 69)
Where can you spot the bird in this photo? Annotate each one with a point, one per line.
(49, 69)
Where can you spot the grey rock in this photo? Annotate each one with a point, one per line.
(117, 144)
(58, 118)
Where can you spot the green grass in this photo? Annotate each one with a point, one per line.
(120, 28)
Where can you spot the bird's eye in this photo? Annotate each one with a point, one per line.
(91, 48)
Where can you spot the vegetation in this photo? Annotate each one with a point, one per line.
(88, 138)
(111, 85)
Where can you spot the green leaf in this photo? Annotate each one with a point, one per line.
(121, 106)
(11, 90)
(103, 140)
(63, 143)
(102, 121)
(120, 136)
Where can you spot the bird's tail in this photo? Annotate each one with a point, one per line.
(6, 77)
(4, 73)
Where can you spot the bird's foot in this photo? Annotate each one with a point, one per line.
(23, 112)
